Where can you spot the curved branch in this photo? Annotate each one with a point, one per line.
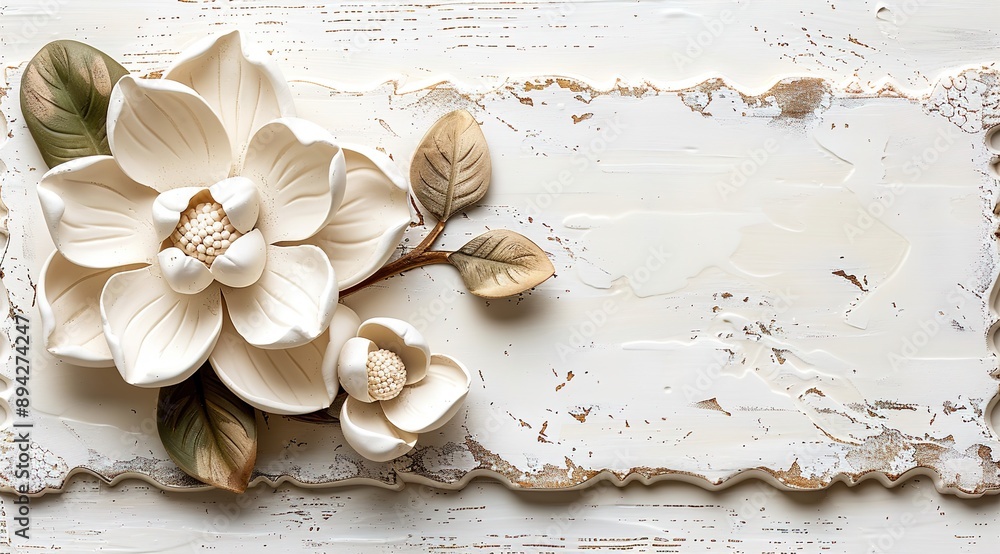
(410, 261)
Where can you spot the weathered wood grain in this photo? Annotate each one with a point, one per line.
(484, 517)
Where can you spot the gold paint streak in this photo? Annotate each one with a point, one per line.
(711, 404)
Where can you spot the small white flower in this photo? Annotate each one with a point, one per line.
(221, 228)
(397, 389)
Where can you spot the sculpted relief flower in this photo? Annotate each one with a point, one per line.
(397, 389)
(220, 228)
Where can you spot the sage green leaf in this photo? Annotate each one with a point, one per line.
(451, 168)
(64, 98)
(208, 431)
(501, 263)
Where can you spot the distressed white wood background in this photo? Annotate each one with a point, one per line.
(859, 45)
(750, 518)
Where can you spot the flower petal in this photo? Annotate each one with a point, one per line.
(428, 404)
(352, 367)
(264, 379)
(239, 80)
(97, 216)
(370, 433)
(243, 263)
(291, 303)
(343, 327)
(240, 200)
(289, 381)
(69, 302)
(158, 337)
(165, 136)
(185, 274)
(300, 175)
(403, 339)
(375, 212)
(167, 209)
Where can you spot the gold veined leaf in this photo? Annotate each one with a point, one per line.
(501, 263)
(208, 431)
(64, 98)
(451, 167)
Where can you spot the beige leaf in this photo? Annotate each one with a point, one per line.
(501, 263)
(208, 431)
(451, 167)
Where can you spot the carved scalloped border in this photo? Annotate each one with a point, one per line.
(796, 98)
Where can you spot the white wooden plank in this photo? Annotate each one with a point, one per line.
(749, 518)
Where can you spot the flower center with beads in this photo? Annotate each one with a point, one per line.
(204, 232)
(386, 374)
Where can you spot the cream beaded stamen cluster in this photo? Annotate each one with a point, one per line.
(204, 232)
(386, 374)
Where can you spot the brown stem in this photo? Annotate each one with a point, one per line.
(419, 256)
(430, 238)
(410, 261)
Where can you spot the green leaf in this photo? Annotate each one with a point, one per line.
(208, 431)
(451, 168)
(501, 263)
(64, 98)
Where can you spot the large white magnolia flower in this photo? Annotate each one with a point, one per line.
(397, 389)
(220, 228)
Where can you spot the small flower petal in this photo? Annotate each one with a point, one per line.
(300, 175)
(343, 327)
(157, 336)
(369, 432)
(403, 339)
(428, 404)
(243, 263)
(239, 80)
(167, 209)
(291, 303)
(165, 136)
(185, 274)
(240, 200)
(370, 222)
(352, 367)
(98, 217)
